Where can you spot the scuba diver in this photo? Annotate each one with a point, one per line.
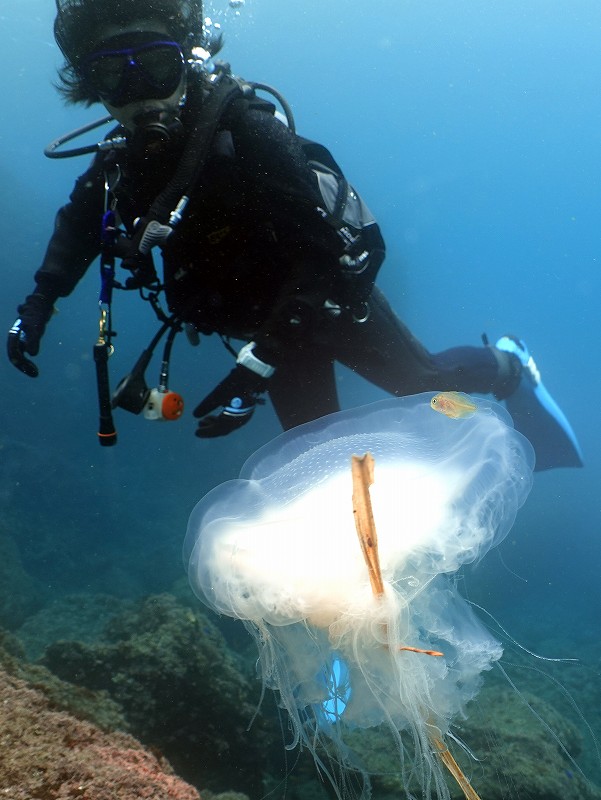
(263, 240)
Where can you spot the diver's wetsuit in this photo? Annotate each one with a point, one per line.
(385, 352)
(252, 259)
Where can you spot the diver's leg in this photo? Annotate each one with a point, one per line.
(304, 388)
(384, 351)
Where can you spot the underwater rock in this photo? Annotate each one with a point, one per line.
(49, 754)
(76, 617)
(20, 594)
(180, 689)
(515, 755)
(510, 734)
(94, 706)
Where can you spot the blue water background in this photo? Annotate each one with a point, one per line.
(472, 129)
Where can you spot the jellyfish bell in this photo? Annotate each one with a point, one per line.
(278, 549)
(274, 545)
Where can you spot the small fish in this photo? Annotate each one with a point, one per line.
(455, 405)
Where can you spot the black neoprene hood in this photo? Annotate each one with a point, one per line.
(77, 22)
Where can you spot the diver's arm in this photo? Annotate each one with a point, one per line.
(75, 242)
(291, 325)
(300, 307)
(73, 246)
(278, 179)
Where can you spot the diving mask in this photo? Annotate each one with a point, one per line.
(146, 70)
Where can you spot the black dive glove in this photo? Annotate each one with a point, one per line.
(237, 394)
(27, 330)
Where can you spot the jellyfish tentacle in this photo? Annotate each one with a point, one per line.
(363, 470)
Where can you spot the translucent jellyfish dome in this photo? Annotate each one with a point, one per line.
(278, 549)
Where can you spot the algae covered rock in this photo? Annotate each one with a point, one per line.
(180, 689)
(512, 751)
(20, 594)
(76, 617)
(529, 743)
(79, 701)
(49, 754)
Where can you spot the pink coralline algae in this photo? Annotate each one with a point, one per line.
(46, 754)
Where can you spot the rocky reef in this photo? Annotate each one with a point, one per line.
(170, 672)
(20, 594)
(160, 670)
(48, 754)
(515, 745)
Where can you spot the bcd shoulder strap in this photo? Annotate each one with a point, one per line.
(167, 209)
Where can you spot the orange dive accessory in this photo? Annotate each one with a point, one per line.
(163, 405)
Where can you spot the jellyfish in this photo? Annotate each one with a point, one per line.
(344, 571)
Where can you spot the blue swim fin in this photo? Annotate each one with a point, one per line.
(537, 416)
(337, 681)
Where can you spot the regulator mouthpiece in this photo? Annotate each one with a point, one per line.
(155, 130)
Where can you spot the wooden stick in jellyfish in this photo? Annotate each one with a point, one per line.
(356, 633)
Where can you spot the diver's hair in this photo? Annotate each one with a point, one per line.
(77, 23)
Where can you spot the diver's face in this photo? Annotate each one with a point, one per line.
(138, 71)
